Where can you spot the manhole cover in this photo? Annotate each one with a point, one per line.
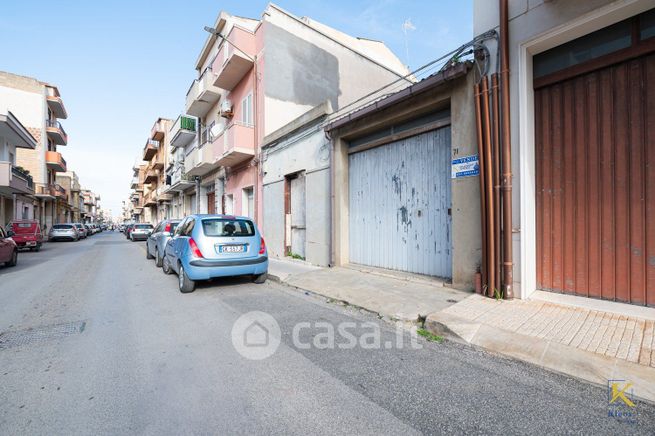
(40, 334)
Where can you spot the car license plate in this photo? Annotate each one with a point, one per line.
(231, 248)
(31, 243)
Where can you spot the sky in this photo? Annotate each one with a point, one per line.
(121, 64)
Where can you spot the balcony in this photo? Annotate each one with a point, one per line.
(157, 163)
(150, 149)
(55, 102)
(151, 176)
(135, 183)
(158, 130)
(163, 194)
(203, 94)
(235, 145)
(180, 181)
(14, 180)
(183, 131)
(56, 132)
(149, 199)
(54, 161)
(50, 191)
(201, 160)
(231, 64)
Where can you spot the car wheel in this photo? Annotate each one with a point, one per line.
(166, 266)
(14, 259)
(148, 255)
(260, 278)
(158, 260)
(38, 248)
(186, 284)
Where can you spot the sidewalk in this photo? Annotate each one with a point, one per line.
(593, 345)
(395, 298)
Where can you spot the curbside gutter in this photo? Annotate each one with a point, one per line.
(554, 356)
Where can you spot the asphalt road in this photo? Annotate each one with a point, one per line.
(95, 340)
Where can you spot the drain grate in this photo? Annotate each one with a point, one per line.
(40, 334)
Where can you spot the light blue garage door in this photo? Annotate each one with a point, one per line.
(400, 205)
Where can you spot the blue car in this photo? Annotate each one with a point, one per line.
(204, 247)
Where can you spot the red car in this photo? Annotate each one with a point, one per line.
(27, 234)
(8, 249)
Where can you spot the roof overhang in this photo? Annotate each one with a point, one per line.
(436, 80)
(12, 130)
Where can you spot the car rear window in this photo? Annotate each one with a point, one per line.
(62, 226)
(143, 226)
(23, 227)
(228, 227)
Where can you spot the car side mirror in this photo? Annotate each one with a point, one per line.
(10, 234)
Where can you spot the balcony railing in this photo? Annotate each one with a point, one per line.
(183, 131)
(180, 180)
(150, 149)
(24, 175)
(56, 132)
(55, 161)
(50, 190)
(235, 145)
(202, 94)
(55, 102)
(231, 64)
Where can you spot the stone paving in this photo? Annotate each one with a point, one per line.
(609, 334)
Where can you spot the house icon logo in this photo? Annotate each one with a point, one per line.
(256, 335)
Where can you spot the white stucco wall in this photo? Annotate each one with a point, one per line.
(306, 150)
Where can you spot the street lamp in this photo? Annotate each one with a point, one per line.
(217, 33)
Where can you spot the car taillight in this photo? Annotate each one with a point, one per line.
(194, 248)
(168, 228)
(262, 246)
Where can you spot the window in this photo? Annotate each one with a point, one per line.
(143, 226)
(246, 110)
(228, 227)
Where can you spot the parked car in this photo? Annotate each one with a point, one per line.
(156, 242)
(89, 230)
(128, 229)
(94, 228)
(63, 232)
(8, 248)
(27, 234)
(141, 232)
(121, 228)
(81, 230)
(204, 247)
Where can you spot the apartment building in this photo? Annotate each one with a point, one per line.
(90, 206)
(16, 183)
(71, 183)
(254, 77)
(39, 107)
(156, 198)
(581, 84)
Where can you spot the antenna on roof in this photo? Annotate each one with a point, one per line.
(407, 25)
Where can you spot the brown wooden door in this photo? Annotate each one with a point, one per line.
(595, 180)
(211, 203)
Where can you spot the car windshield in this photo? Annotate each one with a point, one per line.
(228, 227)
(62, 227)
(143, 226)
